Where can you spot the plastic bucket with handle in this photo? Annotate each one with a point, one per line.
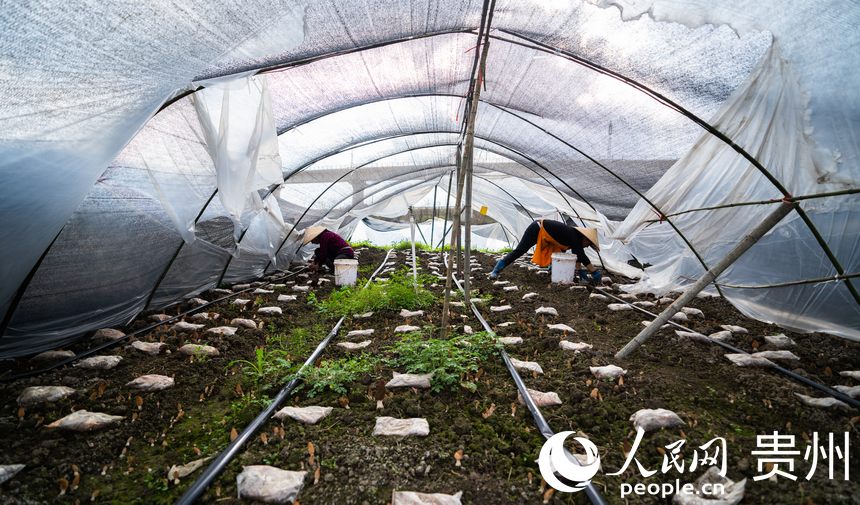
(345, 272)
(563, 268)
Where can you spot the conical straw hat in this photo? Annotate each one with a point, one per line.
(591, 235)
(312, 233)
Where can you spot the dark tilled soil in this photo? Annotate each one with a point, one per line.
(128, 463)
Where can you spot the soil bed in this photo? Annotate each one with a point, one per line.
(194, 419)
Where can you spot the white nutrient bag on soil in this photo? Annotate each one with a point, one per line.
(204, 316)
(352, 346)
(655, 419)
(505, 324)
(151, 348)
(827, 402)
(269, 484)
(721, 336)
(528, 366)
(406, 328)
(244, 323)
(777, 355)
(630, 297)
(108, 334)
(412, 498)
(648, 323)
(222, 331)
(731, 492)
(411, 313)
(468, 330)
(53, 355)
(35, 395)
(852, 391)
(500, 308)
(457, 304)
(307, 415)
(680, 316)
(853, 374)
(177, 472)
(529, 296)
(360, 333)
(81, 420)
(197, 301)
(690, 311)
(240, 287)
(665, 301)
(183, 326)
(157, 318)
(391, 426)
(501, 283)
(241, 302)
(561, 327)
(410, 380)
(617, 307)
(749, 360)
(270, 311)
(541, 399)
(645, 304)
(607, 372)
(151, 382)
(99, 362)
(301, 289)
(287, 298)
(510, 288)
(511, 340)
(221, 291)
(261, 291)
(9, 471)
(692, 335)
(199, 350)
(734, 329)
(549, 311)
(576, 347)
(597, 296)
(779, 341)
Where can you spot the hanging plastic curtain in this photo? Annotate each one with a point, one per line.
(242, 140)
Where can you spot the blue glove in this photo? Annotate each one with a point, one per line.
(582, 274)
(596, 276)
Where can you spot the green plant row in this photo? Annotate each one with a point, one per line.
(398, 292)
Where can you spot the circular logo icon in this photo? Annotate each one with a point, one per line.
(554, 459)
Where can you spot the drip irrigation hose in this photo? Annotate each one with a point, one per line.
(145, 329)
(590, 491)
(784, 371)
(192, 494)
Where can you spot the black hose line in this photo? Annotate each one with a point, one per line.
(784, 371)
(192, 494)
(590, 491)
(146, 329)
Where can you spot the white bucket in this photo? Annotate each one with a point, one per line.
(345, 272)
(563, 268)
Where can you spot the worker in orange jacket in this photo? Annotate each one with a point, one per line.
(549, 237)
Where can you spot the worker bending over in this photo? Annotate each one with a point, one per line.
(331, 247)
(550, 237)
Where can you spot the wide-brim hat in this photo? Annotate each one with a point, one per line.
(591, 235)
(312, 233)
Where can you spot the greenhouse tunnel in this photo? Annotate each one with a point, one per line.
(655, 129)
(162, 158)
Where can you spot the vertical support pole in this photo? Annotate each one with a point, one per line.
(433, 216)
(414, 261)
(447, 211)
(467, 239)
(446, 307)
(745, 243)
